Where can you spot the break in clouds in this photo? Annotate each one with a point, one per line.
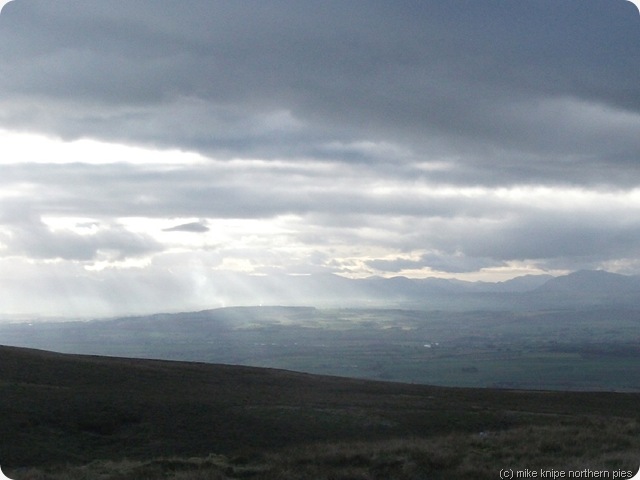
(159, 144)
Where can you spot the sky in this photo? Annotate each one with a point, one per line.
(149, 149)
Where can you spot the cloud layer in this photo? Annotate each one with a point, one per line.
(409, 137)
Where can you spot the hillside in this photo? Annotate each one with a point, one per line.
(59, 409)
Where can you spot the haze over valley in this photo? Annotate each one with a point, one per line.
(577, 332)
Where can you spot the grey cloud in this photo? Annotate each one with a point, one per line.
(573, 241)
(573, 238)
(342, 131)
(395, 265)
(438, 78)
(540, 238)
(216, 190)
(466, 230)
(30, 236)
(195, 227)
(436, 261)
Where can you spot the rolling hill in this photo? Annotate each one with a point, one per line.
(58, 411)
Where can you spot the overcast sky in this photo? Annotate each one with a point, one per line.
(149, 146)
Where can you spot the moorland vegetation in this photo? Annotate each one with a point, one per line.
(80, 417)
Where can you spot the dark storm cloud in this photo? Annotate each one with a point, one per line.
(539, 89)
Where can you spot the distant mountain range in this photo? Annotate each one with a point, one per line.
(578, 289)
(581, 289)
(591, 282)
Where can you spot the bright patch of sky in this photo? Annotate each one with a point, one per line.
(20, 147)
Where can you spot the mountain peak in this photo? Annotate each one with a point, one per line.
(592, 281)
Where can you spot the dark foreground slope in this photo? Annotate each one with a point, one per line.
(72, 409)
